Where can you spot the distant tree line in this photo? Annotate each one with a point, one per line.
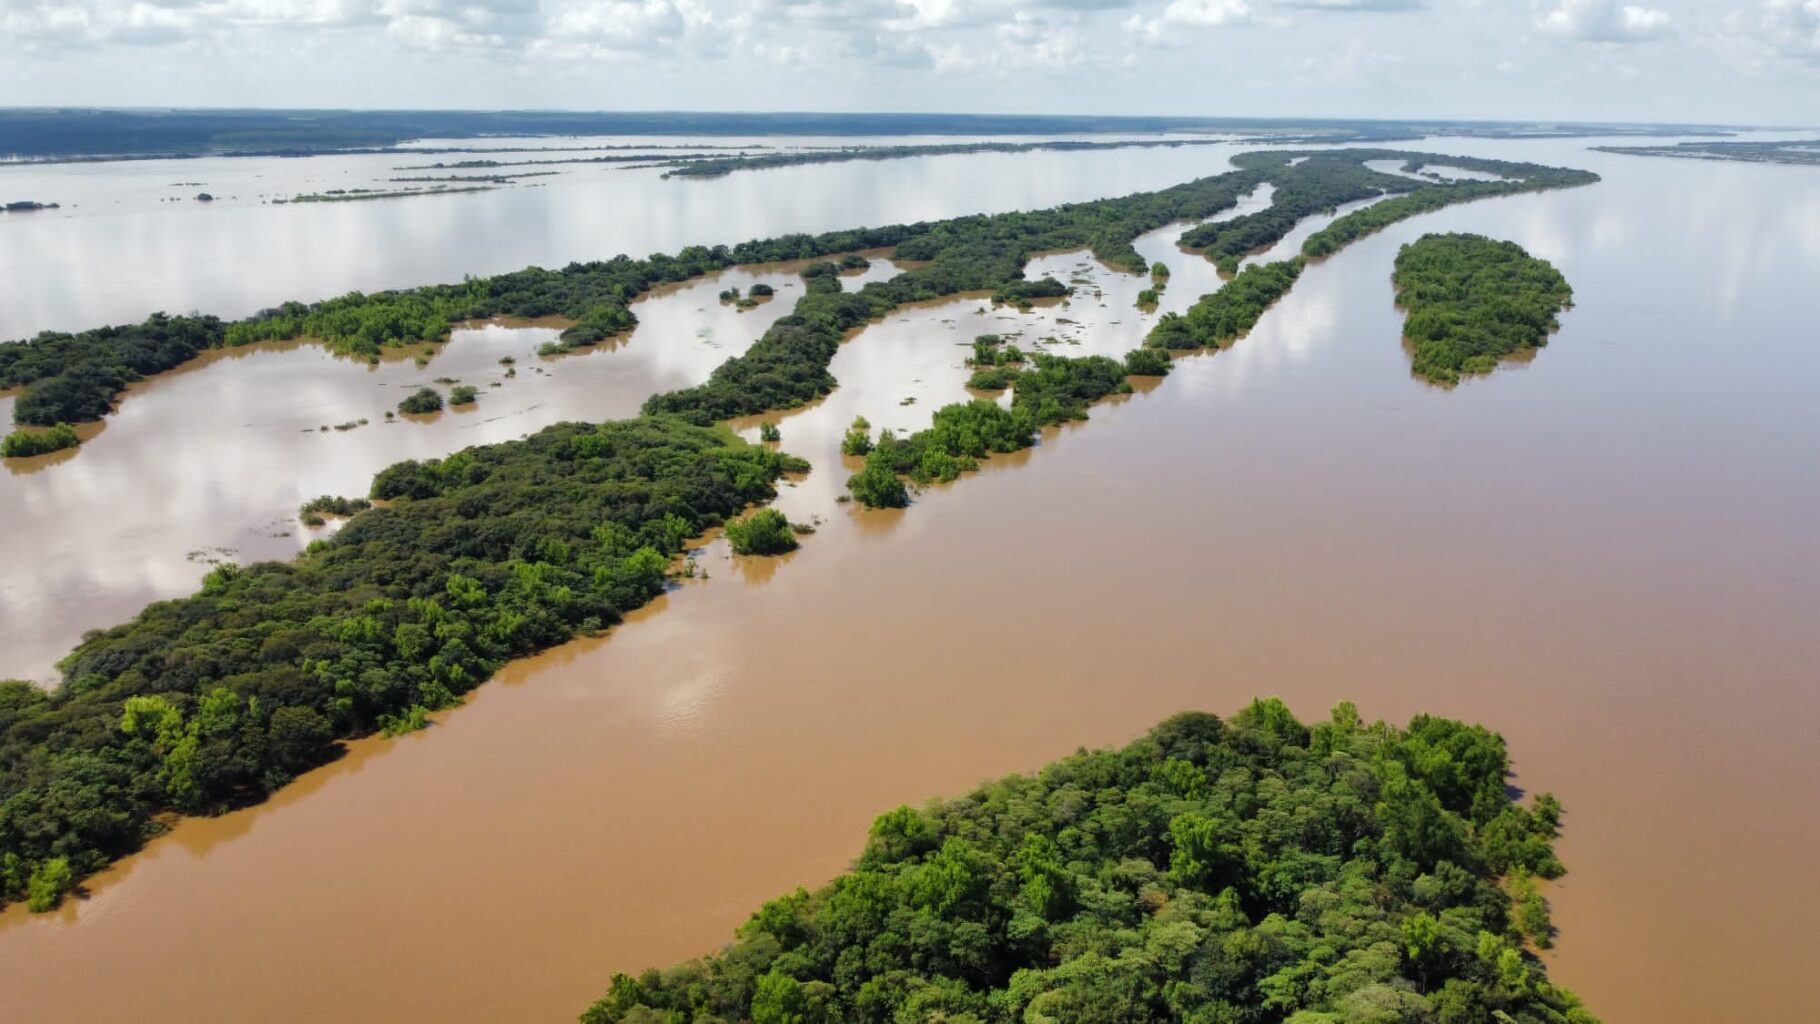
(717, 167)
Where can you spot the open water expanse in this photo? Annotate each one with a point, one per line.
(1607, 553)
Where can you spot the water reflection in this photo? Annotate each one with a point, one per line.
(1606, 554)
(231, 444)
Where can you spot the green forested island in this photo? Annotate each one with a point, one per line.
(75, 377)
(1249, 871)
(1473, 301)
(1219, 318)
(22, 444)
(715, 167)
(214, 700)
(1804, 152)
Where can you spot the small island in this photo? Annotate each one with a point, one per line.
(27, 206)
(422, 402)
(1249, 869)
(1473, 301)
(23, 444)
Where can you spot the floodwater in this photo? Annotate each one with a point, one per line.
(1606, 553)
(265, 428)
(130, 239)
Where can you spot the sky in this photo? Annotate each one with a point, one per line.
(1720, 61)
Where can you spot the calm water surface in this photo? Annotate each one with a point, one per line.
(130, 239)
(1605, 553)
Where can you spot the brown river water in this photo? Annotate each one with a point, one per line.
(1606, 553)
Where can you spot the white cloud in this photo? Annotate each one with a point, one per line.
(1787, 29)
(1604, 21)
(1243, 57)
(1207, 13)
(1354, 5)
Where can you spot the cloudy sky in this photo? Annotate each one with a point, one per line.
(1740, 61)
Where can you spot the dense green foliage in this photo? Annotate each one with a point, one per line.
(1227, 314)
(1147, 362)
(490, 554)
(353, 324)
(333, 505)
(1472, 301)
(765, 532)
(858, 438)
(1251, 871)
(421, 401)
(1320, 182)
(1053, 390)
(463, 394)
(787, 366)
(992, 378)
(494, 552)
(73, 378)
(22, 444)
(1519, 177)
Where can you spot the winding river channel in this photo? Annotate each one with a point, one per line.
(1607, 553)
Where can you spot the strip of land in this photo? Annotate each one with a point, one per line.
(1800, 152)
(213, 701)
(716, 167)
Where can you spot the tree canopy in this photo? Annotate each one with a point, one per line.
(1248, 871)
(1472, 301)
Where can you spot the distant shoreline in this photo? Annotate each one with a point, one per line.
(37, 135)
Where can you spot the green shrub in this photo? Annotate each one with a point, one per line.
(1147, 362)
(424, 400)
(22, 444)
(765, 532)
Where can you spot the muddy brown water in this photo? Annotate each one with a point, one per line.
(1606, 553)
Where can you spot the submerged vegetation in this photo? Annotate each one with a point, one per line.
(73, 378)
(333, 505)
(22, 444)
(1473, 301)
(1055, 389)
(214, 700)
(421, 402)
(1220, 317)
(765, 532)
(1245, 871)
